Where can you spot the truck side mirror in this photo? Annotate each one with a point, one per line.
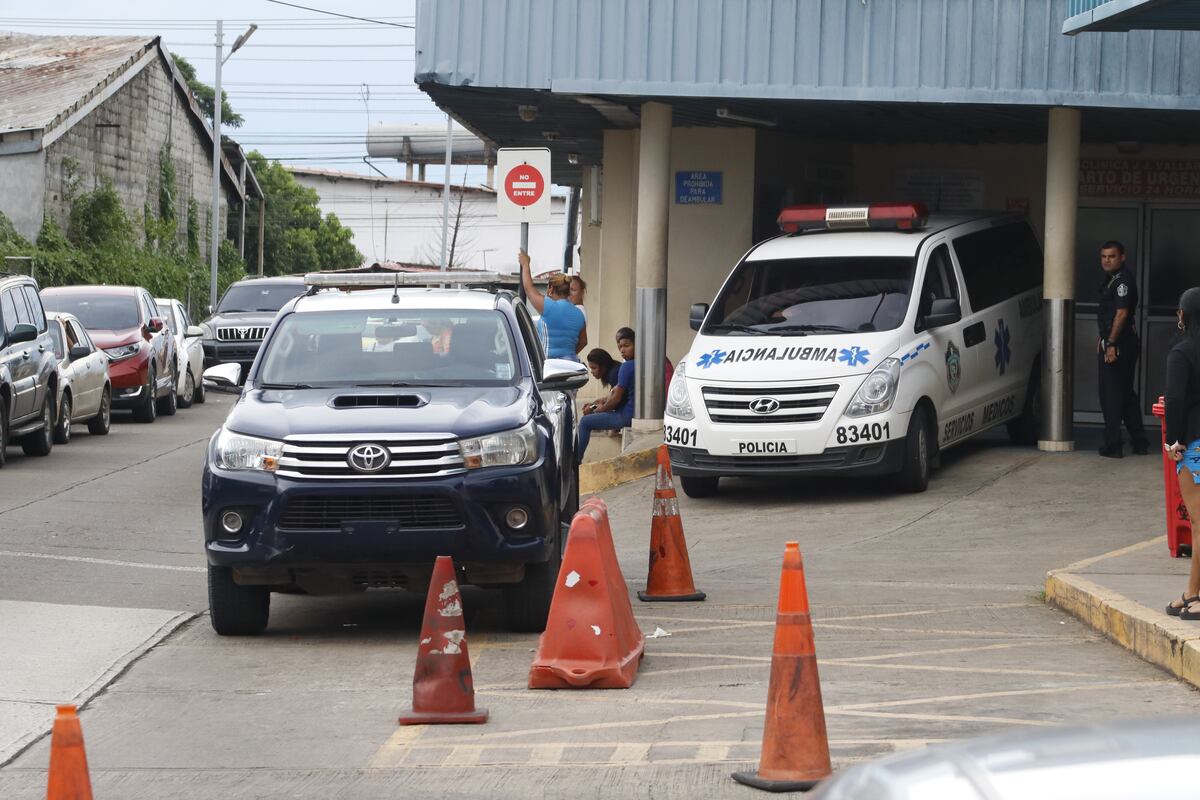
(943, 312)
(697, 314)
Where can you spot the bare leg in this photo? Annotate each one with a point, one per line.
(1190, 492)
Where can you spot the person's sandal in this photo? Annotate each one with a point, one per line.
(1192, 611)
(1175, 610)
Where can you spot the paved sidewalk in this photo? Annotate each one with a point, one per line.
(1123, 594)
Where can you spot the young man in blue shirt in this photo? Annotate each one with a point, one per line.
(616, 410)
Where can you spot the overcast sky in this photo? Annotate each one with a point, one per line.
(306, 83)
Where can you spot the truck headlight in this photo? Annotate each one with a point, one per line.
(877, 392)
(503, 449)
(679, 402)
(239, 452)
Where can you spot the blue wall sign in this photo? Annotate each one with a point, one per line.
(698, 188)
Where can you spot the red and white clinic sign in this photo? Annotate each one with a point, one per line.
(524, 185)
(523, 195)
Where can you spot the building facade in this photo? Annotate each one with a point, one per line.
(82, 111)
(957, 103)
(397, 220)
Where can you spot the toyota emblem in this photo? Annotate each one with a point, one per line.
(369, 457)
(764, 405)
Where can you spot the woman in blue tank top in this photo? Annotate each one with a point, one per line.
(563, 322)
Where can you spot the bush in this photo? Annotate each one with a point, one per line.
(102, 247)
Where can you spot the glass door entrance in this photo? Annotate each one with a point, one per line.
(1162, 248)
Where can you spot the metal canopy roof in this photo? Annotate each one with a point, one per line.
(881, 71)
(1129, 15)
(577, 127)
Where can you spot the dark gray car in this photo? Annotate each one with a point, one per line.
(234, 331)
(28, 368)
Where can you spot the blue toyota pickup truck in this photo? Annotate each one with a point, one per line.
(378, 429)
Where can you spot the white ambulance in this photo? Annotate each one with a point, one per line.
(863, 341)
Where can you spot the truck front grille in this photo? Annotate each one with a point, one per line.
(327, 455)
(241, 333)
(331, 512)
(743, 405)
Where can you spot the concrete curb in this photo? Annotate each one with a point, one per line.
(595, 476)
(1164, 641)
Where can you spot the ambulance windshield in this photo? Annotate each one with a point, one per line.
(802, 296)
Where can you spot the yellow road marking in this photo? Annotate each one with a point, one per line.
(1133, 548)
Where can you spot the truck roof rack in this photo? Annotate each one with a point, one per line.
(455, 279)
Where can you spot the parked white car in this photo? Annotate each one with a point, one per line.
(189, 352)
(84, 390)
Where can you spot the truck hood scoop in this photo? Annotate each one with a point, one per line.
(378, 401)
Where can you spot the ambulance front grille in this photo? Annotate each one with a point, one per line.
(773, 405)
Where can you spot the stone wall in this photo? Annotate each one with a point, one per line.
(121, 141)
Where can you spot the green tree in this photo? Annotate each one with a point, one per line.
(205, 94)
(297, 238)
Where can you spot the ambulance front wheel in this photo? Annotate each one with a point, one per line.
(918, 453)
(694, 486)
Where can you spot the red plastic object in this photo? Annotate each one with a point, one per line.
(592, 640)
(443, 691)
(1179, 526)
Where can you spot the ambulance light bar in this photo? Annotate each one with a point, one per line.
(876, 216)
(388, 280)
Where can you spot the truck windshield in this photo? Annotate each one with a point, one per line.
(802, 296)
(390, 348)
(258, 297)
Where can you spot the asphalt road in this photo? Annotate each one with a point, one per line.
(928, 619)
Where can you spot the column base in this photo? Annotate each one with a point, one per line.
(647, 424)
(1056, 447)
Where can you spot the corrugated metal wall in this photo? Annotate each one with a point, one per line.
(969, 51)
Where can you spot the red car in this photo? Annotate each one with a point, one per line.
(124, 322)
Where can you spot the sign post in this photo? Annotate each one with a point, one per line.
(524, 184)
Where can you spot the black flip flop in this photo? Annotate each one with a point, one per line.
(1190, 615)
(1176, 611)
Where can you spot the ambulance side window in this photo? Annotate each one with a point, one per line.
(939, 284)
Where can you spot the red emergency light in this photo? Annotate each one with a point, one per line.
(880, 216)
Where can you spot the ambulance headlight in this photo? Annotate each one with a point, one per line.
(679, 402)
(877, 392)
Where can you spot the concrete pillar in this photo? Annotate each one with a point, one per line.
(650, 257)
(408, 171)
(421, 172)
(1058, 283)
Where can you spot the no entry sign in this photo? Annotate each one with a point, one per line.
(523, 194)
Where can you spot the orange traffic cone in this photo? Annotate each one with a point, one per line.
(68, 762)
(670, 576)
(592, 639)
(795, 749)
(443, 691)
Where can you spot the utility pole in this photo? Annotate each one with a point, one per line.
(446, 191)
(214, 244)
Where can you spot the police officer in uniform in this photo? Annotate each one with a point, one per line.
(1117, 353)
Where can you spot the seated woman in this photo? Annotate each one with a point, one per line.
(603, 367)
(564, 323)
(615, 411)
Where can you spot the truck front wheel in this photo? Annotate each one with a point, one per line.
(236, 610)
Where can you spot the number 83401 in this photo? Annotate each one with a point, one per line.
(867, 432)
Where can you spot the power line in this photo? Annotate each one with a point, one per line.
(316, 60)
(306, 46)
(336, 14)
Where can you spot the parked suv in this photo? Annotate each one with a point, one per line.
(125, 323)
(28, 368)
(234, 331)
(379, 429)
